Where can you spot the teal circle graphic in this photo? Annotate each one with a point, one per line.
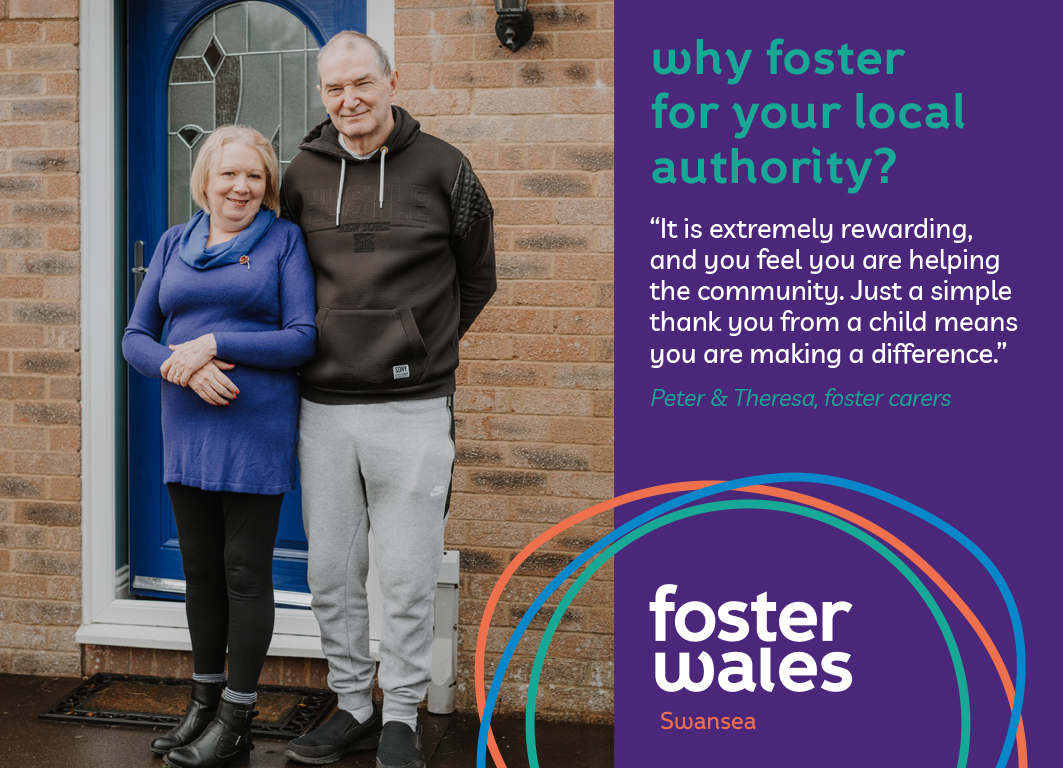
(660, 522)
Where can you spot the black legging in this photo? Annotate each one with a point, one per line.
(227, 542)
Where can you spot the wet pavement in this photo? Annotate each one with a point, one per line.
(449, 740)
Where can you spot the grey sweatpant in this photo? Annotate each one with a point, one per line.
(388, 466)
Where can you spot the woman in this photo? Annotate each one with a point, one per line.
(235, 286)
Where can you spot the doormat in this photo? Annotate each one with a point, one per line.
(284, 712)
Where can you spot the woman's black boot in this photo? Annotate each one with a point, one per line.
(201, 710)
(226, 739)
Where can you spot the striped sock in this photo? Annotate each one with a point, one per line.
(215, 678)
(235, 697)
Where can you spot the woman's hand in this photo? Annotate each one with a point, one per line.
(212, 385)
(188, 358)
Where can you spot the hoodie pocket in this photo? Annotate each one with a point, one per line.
(362, 350)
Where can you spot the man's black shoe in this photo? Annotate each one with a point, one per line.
(340, 735)
(400, 747)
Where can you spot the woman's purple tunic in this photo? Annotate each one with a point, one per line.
(262, 316)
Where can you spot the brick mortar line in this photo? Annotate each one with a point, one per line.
(522, 388)
(511, 550)
(507, 466)
(510, 467)
(486, 335)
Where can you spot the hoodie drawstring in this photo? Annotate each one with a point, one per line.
(339, 194)
(383, 153)
(343, 175)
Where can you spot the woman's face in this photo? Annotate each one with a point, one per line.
(235, 187)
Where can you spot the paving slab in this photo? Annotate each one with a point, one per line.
(558, 745)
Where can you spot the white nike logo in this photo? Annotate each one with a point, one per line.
(437, 490)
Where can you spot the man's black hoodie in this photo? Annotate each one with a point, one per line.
(402, 245)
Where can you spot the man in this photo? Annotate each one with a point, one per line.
(400, 235)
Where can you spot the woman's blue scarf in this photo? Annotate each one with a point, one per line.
(196, 254)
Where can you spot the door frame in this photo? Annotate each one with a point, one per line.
(109, 617)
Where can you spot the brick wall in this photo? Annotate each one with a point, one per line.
(40, 438)
(535, 397)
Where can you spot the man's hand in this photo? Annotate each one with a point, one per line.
(212, 385)
(188, 358)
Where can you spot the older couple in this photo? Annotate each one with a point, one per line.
(399, 249)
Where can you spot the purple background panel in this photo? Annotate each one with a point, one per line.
(986, 464)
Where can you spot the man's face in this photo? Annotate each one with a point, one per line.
(357, 96)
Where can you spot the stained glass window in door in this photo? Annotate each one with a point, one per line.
(251, 63)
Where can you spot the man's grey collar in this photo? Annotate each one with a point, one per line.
(352, 153)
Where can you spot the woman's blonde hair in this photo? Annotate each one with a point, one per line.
(210, 154)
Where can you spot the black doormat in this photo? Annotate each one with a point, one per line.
(284, 712)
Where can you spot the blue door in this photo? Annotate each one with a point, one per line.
(194, 65)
